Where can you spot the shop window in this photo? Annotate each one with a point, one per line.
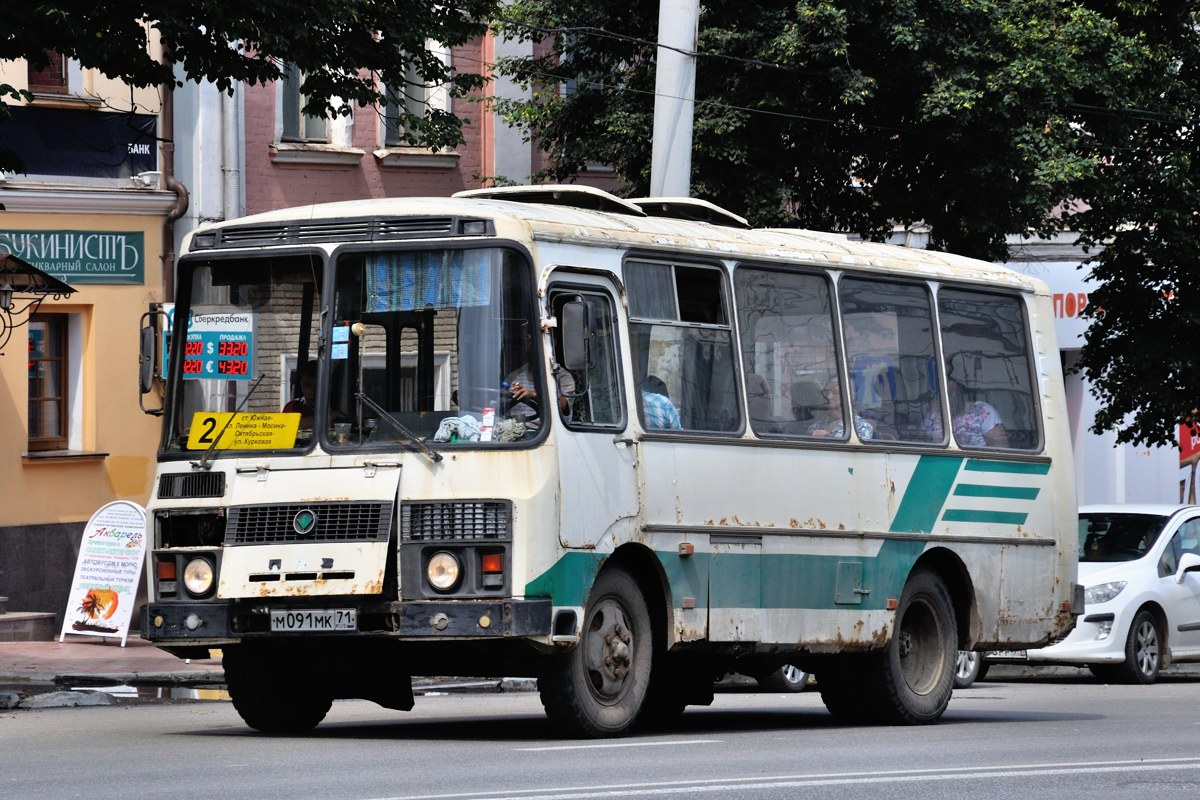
(49, 365)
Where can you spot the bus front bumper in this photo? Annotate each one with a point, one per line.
(226, 622)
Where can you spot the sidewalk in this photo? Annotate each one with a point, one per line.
(48, 673)
(96, 661)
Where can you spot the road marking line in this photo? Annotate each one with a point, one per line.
(599, 746)
(665, 788)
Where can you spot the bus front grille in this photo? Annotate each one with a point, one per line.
(470, 520)
(308, 522)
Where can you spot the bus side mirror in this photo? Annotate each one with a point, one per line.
(146, 360)
(147, 339)
(578, 355)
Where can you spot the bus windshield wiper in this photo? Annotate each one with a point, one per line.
(205, 461)
(413, 439)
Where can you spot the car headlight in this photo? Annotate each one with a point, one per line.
(1103, 592)
(443, 571)
(198, 576)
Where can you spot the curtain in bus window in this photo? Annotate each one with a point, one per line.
(651, 291)
(989, 372)
(409, 280)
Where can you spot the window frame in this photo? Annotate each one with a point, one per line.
(679, 322)
(432, 97)
(603, 297)
(297, 126)
(59, 325)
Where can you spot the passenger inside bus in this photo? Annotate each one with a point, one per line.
(833, 424)
(523, 389)
(305, 403)
(657, 409)
(975, 422)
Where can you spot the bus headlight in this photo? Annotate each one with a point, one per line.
(198, 577)
(443, 571)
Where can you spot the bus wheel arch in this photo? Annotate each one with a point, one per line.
(957, 579)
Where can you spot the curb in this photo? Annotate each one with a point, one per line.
(19, 692)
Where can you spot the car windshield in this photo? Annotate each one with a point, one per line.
(1117, 536)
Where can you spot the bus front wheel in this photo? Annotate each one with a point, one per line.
(598, 688)
(267, 695)
(915, 674)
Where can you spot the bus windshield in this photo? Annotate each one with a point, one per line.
(414, 344)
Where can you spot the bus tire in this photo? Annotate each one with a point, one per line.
(915, 674)
(843, 688)
(598, 688)
(267, 699)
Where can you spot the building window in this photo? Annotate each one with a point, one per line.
(410, 94)
(52, 79)
(298, 126)
(49, 410)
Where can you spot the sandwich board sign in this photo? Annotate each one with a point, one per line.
(107, 572)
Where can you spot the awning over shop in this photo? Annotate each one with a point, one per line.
(23, 287)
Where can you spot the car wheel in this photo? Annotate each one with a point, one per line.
(1143, 650)
(788, 678)
(967, 668)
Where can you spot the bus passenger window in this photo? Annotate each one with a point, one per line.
(787, 348)
(889, 346)
(989, 375)
(680, 333)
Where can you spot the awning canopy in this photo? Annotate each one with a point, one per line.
(23, 287)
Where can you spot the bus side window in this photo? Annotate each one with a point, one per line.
(593, 393)
(985, 344)
(788, 349)
(889, 343)
(681, 333)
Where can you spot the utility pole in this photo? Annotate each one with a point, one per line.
(674, 98)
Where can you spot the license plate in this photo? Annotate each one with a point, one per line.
(315, 620)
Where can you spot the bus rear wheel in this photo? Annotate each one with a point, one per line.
(598, 688)
(914, 677)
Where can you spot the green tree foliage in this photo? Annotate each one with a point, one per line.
(341, 46)
(1143, 217)
(981, 118)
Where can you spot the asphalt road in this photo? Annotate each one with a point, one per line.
(1020, 738)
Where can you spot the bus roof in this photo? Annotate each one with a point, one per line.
(588, 216)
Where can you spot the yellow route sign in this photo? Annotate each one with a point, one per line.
(245, 432)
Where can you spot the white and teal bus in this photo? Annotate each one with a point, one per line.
(620, 446)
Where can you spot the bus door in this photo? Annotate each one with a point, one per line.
(597, 456)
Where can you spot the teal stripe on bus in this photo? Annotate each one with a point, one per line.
(1009, 492)
(748, 580)
(1008, 467)
(974, 515)
(926, 494)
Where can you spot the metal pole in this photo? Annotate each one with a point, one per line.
(674, 98)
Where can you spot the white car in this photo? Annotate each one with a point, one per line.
(1140, 566)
